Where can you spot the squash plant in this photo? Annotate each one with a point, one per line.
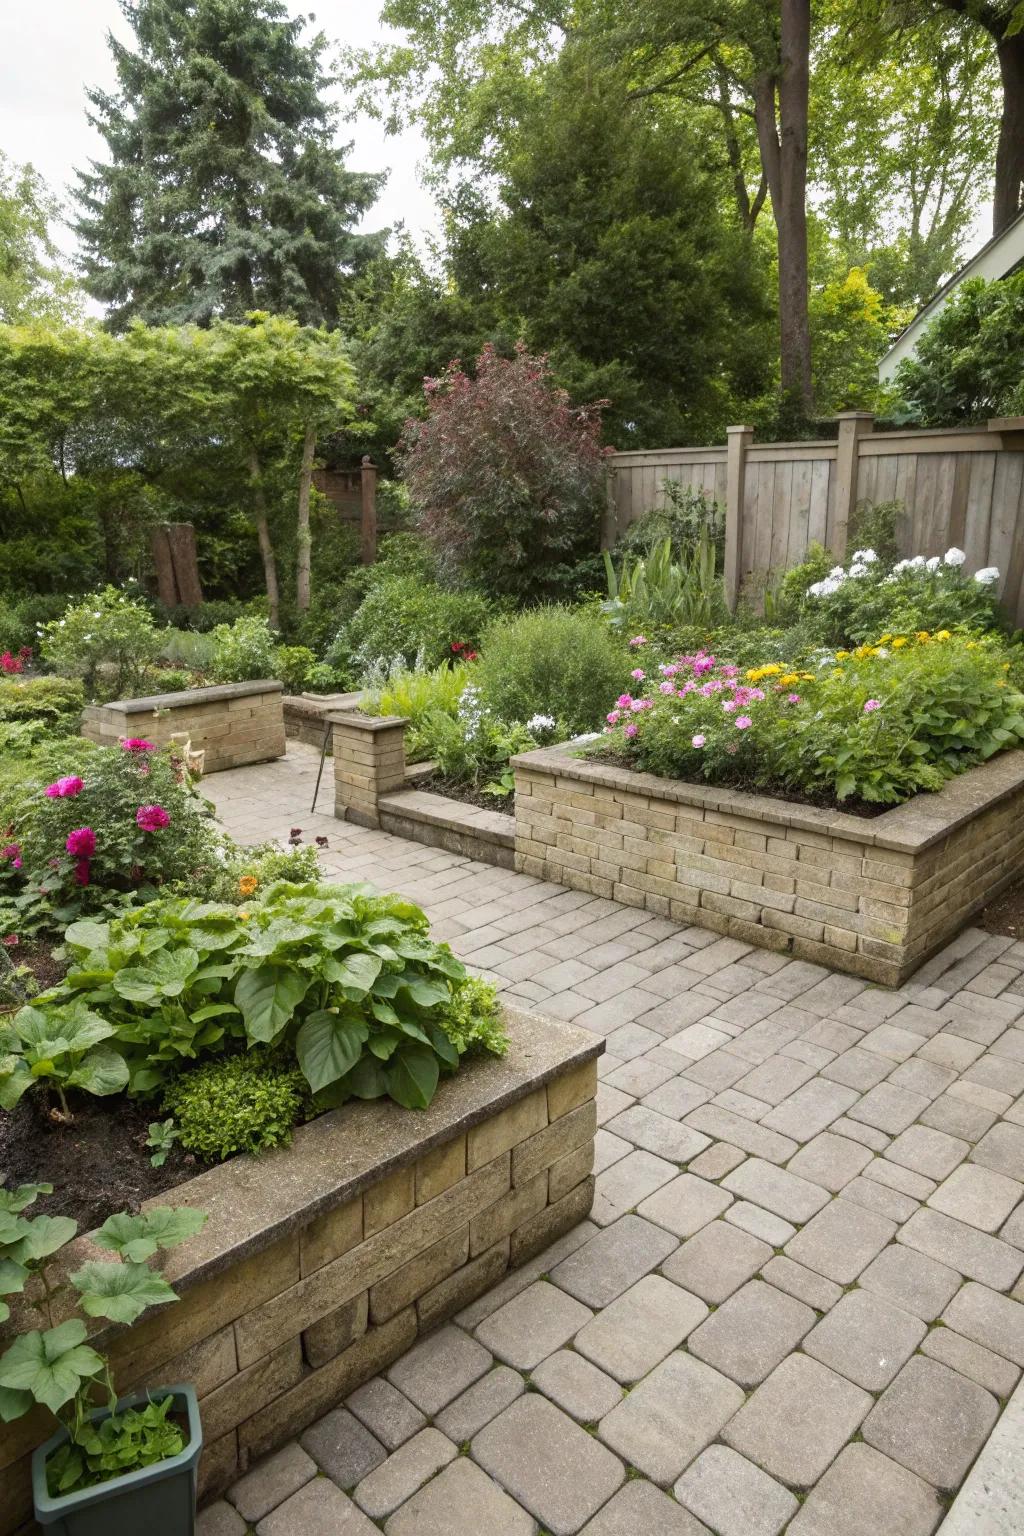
(56, 1367)
(348, 978)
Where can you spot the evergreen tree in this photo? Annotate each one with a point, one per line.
(224, 191)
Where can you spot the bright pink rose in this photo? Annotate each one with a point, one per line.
(137, 744)
(81, 843)
(151, 818)
(66, 788)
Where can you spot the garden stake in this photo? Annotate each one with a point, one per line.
(320, 774)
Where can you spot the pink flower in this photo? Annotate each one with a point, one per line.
(792, 698)
(638, 640)
(612, 717)
(698, 741)
(743, 722)
(624, 701)
(630, 730)
(638, 674)
(872, 705)
(10, 939)
(81, 843)
(668, 670)
(151, 818)
(81, 871)
(11, 663)
(729, 705)
(66, 788)
(12, 851)
(730, 671)
(666, 687)
(137, 744)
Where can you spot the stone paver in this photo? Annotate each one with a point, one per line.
(931, 1420)
(546, 1462)
(733, 1496)
(750, 1103)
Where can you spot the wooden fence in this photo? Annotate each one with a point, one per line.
(960, 486)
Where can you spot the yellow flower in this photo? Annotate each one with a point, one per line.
(923, 636)
(247, 884)
(788, 678)
(942, 634)
(807, 677)
(885, 639)
(900, 640)
(842, 655)
(244, 916)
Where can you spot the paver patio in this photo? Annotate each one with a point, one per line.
(798, 1303)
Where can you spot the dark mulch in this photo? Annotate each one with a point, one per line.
(97, 1165)
(1006, 914)
(453, 790)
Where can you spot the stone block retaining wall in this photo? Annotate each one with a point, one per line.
(872, 896)
(320, 1264)
(233, 723)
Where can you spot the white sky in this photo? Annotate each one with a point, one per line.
(50, 50)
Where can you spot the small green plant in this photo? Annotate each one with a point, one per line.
(246, 1103)
(412, 620)
(558, 661)
(55, 702)
(293, 664)
(161, 1139)
(682, 518)
(54, 1367)
(416, 693)
(472, 1020)
(60, 1049)
(108, 640)
(474, 745)
(243, 651)
(660, 591)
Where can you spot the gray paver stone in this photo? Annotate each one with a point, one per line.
(797, 1420)
(438, 1368)
(462, 1501)
(776, 1189)
(964, 1248)
(1002, 1148)
(889, 1109)
(685, 1205)
(386, 1412)
(977, 1195)
(830, 1161)
(810, 1109)
(576, 1386)
(658, 1134)
(640, 1328)
(640, 1509)
(479, 1404)
(533, 1325)
(971, 1360)
(865, 1339)
(957, 1117)
(932, 1420)
(880, 1199)
(388, 1486)
(627, 1182)
(841, 1241)
(760, 1223)
(863, 1493)
(716, 1260)
(750, 1333)
(733, 1496)
(989, 1319)
(321, 1507)
(717, 1161)
(802, 1283)
(220, 1520)
(548, 1463)
(670, 1416)
(613, 1260)
(911, 1280)
(926, 1150)
(271, 1481)
(342, 1447)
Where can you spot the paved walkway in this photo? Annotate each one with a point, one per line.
(797, 1306)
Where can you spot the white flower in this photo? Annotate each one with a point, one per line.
(934, 563)
(987, 576)
(954, 556)
(865, 556)
(900, 567)
(837, 573)
(824, 588)
(917, 564)
(540, 723)
(858, 568)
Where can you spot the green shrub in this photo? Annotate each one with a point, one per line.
(108, 640)
(416, 693)
(246, 1103)
(21, 618)
(407, 618)
(683, 518)
(474, 746)
(655, 592)
(169, 680)
(472, 1021)
(243, 651)
(187, 648)
(854, 604)
(248, 872)
(553, 661)
(56, 702)
(293, 664)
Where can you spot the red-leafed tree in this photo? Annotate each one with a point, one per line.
(505, 474)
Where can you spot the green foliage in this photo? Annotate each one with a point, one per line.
(656, 592)
(293, 664)
(969, 362)
(851, 327)
(243, 651)
(856, 603)
(246, 871)
(554, 661)
(682, 517)
(245, 1103)
(472, 746)
(416, 694)
(34, 284)
(405, 617)
(472, 1020)
(108, 641)
(55, 702)
(161, 1139)
(60, 1048)
(55, 1368)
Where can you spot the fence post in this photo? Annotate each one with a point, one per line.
(853, 425)
(368, 502)
(739, 440)
(610, 516)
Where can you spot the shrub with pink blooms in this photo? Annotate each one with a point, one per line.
(874, 725)
(122, 827)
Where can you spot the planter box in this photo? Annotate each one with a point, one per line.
(233, 723)
(872, 896)
(423, 817)
(321, 1263)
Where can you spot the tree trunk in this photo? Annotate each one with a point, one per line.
(181, 539)
(265, 542)
(1009, 182)
(304, 545)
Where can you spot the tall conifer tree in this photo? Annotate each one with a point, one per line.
(223, 190)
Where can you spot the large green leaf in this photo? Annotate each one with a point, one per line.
(166, 975)
(50, 1366)
(121, 1292)
(87, 935)
(355, 974)
(412, 1076)
(15, 1079)
(268, 997)
(366, 1079)
(101, 1071)
(60, 1031)
(328, 1045)
(44, 1236)
(426, 993)
(137, 1237)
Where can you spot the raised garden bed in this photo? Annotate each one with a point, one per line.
(320, 1264)
(458, 827)
(872, 896)
(232, 723)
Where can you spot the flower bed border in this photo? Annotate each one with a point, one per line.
(233, 723)
(874, 897)
(321, 1263)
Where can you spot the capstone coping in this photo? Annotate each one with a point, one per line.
(217, 693)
